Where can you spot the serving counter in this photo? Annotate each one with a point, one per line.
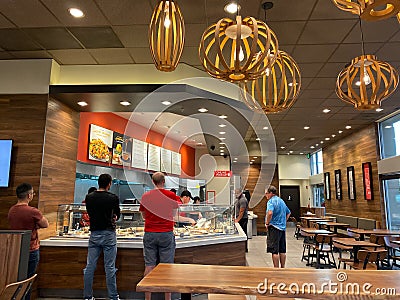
(63, 258)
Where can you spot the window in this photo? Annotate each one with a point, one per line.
(316, 163)
(389, 137)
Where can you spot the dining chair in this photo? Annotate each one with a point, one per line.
(342, 248)
(368, 260)
(17, 290)
(323, 249)
(393, 249)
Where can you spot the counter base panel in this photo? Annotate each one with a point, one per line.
(61, 268)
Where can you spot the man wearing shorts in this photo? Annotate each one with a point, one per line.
(277, 215)
(159, 209)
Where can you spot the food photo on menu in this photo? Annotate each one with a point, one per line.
(100, 143)
(118, 140)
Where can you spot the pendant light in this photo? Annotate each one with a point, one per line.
(370, 10)
(166, 35)
(238, 50)
(366, 82)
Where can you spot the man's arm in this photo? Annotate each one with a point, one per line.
(240, 216)
(287, 216)
(184, 219)
(268, 218)
(43, 223)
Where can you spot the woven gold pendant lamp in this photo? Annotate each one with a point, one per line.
(166, 35)
(238, 50)
(277, 90)
(366, 82)
(370, 10)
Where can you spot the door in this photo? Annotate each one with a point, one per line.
(291, 195)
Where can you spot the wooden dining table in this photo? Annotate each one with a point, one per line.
(316, 231)
(363, 232)
(268, 282)
(311, 219)
(334, 225)
(357, 245)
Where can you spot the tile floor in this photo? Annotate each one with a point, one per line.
(258, 257)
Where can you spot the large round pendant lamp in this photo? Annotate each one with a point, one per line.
(238, 50)
(366, 82)
(277, 90)
(370, 10)
(166, 35)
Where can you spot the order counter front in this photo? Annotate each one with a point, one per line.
(214, 240)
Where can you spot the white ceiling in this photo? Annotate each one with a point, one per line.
(319, 36)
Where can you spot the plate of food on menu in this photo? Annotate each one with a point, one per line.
(98, 150)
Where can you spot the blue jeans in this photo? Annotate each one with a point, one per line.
(33, 262)
(106, 241)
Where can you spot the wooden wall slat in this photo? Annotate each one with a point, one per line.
(354, 150)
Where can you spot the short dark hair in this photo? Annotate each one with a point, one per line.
(272, 190)
(92, 189)
(186, 193)
(158, 178)
(173, 190)
(22, 190)
(104, 180)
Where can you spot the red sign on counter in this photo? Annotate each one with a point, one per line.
(222, 173)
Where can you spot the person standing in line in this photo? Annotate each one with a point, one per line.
(21, 216)
(241, 211)
(159, 210)
(103, 210)
(277, 215)
(85, 220)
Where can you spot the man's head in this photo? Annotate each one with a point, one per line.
(24, 191)
(238, 192)
(158, 179)
(270, 191)
(186, 196)
(104, 181)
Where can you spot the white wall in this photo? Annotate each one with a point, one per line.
(28, 76)
(305, 189)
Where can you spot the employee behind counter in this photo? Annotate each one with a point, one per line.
(187, 213)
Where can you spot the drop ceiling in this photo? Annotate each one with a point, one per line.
(320, 37)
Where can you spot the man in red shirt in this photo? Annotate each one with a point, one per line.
(159, 209)
(21, 216)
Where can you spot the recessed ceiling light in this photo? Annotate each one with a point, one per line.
(251, 162)
(166, 102)
(379, 109)
(232, 8)
(321, 142)
(265, 128)
(221, 125)
(222, 147)
(326, 110)
(333, 135)
(125, 103)
(258, 139)
(222, 143)
(76, 12)
(301, 153)
(222, 154)
(340, 131)
(203, 110)
(82, 103)
(292, 138)
(282, 147)
(388, 126)
(222, 132)
(312, 147)
(290, 151)
(222, 138)
(327, 139)
(222, 117)
(254, 156)
(199, 143)
(316, 145)
(348, 127)
(306, 127)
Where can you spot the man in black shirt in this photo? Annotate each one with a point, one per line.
(103, 209)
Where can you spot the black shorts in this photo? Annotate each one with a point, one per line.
(276, 240)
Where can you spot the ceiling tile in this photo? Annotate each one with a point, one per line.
(193, 33)
(320, 32)
(133, 36)
(389, 52)
(334, 104)
(15, 39)
(96, 37)
(73, 57)
(290, 10)
(309, 70)
(313, 53)
(126, 12)
(346, 52)
(331, 70)
(93, 15)
(4, 23)
(38, 16)
(315, 94)
(287, 32)
(53, 38)
(327, 10)
(190, 55)
(31, 54)
(6, 55)
(321, 83)
(111, 56)
(190, 11)
(141, 55)
(374, 31)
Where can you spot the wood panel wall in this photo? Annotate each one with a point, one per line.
(354, 150)
(23, 119)
(57, 183)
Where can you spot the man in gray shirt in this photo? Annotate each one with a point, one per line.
(241, 206)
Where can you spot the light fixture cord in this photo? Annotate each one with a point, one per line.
(362, 36)
(237, 10)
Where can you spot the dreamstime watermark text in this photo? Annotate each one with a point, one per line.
(340, 286)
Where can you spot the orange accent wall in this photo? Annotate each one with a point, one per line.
(119, 124)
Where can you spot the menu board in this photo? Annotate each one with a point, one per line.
(153, 159)
(139, 154)
(175, 163)
(100, 143)
(122, 149)
(166, 160)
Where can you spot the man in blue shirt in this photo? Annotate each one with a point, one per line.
(275, 221)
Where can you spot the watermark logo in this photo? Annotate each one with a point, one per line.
(340, 286)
